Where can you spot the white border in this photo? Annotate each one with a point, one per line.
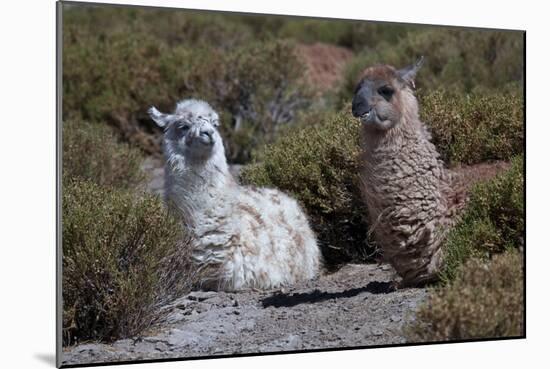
(27, 203)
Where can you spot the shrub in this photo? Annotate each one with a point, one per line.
(262, 90)
(256, 87)
(355, 35)
(318, 164)
(492, 222)
(456, 59)
(113, 76)
(485, 301)
(92, 153)
(316, 30)
(475, 127)
(113, 79)
(369, 35)
(229, 30)
(171, 26)
(122, 257)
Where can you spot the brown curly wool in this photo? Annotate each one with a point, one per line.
(405, 186)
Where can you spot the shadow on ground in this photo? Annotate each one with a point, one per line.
(289, 300)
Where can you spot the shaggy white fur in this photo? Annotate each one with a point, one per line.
(245, 237)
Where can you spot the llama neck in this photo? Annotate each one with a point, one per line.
(400, 138)
(195, 186)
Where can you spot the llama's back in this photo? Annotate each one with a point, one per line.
(274, 245)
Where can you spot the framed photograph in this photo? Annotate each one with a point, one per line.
(236, 184)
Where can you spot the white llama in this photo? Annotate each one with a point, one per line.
(245, 237)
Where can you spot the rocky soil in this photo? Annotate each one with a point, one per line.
(356, 306)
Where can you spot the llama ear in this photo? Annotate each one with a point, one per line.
(408, 74)
(160, 119)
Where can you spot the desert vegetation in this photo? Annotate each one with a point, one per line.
(481, 292)
(484, 301)
(124, 255)
(492, 223)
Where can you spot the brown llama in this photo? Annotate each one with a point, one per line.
(404, 183)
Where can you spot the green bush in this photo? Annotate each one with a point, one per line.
(456, 59)
(485, 301)
(226, 30)
(493, 221)
(113, 79)
(356, 35)
(318, 164)
(123, 256)
(91, 152)
(115, 74)
(370, 36)
(262, 91)
(475, 127)
(174, 27)
(316, 30)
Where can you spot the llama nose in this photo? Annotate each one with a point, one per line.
(359, 107)
(360, 103)
(206, 135)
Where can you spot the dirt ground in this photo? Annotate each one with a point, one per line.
(356, 306)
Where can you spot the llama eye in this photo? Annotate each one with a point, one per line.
(183, 128)
(386, 92)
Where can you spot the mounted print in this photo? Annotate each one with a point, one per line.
(234, 184)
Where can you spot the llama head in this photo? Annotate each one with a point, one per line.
(191, 131)
(384, 96)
